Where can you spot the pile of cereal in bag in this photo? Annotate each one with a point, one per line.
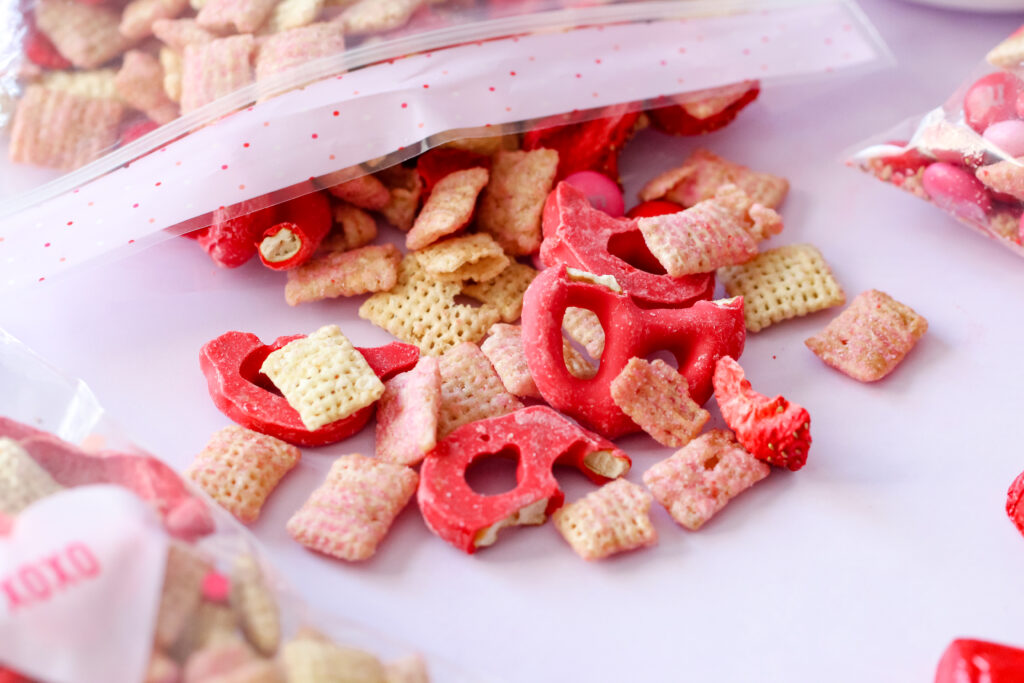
(85, 533)
(547, 366)
(965, 157)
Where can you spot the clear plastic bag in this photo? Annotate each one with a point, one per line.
(964, 156)
(113, 568)
(485, 68)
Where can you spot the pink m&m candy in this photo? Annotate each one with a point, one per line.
(602, 192)
(1007, 136)
(991, 99)
(955, 190)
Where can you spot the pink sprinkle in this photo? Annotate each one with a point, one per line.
(47, 244)
(266, 123)
(89, 204)
(315, 136)
(765, 39)
(828, 41)
(241, 187)
(579, 75)
(663, 63)
(135, 206)
(224, 167)
(41, 279)
(131, 241)
(682, 50)
(245, 144)
(425, 86)
(405, 105)
(511, 73)
(335, 112)
(70, 222)
(597, 61)
(63, 259)
(216, 587)
(331, 157)
(746, 51)
(158, 183)
(491, 88)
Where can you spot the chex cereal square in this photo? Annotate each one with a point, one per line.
(323, 377)
(701, 478)
(239, 468)
(870, 338)
(351, 512)
(611, 520)
(782, 283)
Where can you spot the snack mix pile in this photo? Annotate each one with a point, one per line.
(548, 366)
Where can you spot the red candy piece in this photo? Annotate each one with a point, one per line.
(770, 429)
(697, 336)
(991, 99)
(309, 219)
(231, 238)
(154, 482)
(231, 364)
(1014, 497)
(40, 50)
(580, 236)
(12, 676)
(676, 120)
(655, 207)
(541, 438)
(979, 661)
(436, 163)
(586, 146)
(137, 130)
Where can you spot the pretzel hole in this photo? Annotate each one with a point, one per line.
(631, 248)
(466, 300)
(663, 355)
(494, 473)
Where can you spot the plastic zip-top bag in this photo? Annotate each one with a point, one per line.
(964, 156)
(112, 568)
(276, 109)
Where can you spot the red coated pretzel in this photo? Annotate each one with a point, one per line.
(980, 661)
(541, 437)
(231, 364)
(580, 236)
(697, 336)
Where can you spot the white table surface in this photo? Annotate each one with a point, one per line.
(862, 567)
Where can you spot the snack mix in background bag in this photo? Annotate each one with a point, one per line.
(966, 156)
(113, 568)
(247, 110)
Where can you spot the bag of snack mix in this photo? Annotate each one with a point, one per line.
(964, 156)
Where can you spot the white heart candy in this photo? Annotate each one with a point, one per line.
(80, 579)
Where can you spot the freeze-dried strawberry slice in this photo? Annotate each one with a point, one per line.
(586, 146)
(1014, 498)
(439, 162)
(694, 116)
(771, 429)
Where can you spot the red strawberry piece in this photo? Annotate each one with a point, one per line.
(770, 429)
(437, 163)
(979, 661)
(677, 119)
(1014, 498)
(592, 145)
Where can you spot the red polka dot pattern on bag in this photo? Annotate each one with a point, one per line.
(522, 78)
